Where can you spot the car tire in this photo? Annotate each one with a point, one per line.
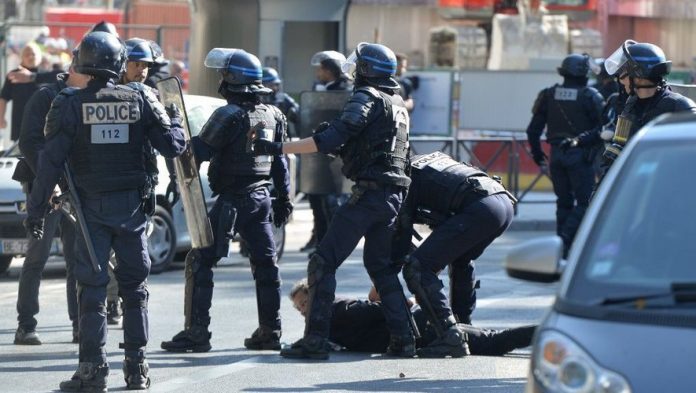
(161, 243)
(5, 261)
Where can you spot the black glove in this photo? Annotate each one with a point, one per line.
(282, 209)
(34, 226)
(539, 158)
(567, 143)
(262, 147)
(172, 194)
(173, 111)
(323, 126)
(611, 153)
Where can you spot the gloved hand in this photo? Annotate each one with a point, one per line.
(34, 226)
(262, 147)
(172, 194)
(567, 143)
(611, 153)
(323, 126)
(282, 209)
(539, 158)
(173, 111)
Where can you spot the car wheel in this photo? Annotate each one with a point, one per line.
(161, 243)
(5, 261)
(279, 236)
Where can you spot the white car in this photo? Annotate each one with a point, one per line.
(169, 235)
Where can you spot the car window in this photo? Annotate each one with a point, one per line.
(645, 236)
(198, 112)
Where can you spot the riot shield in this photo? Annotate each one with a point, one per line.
(685, 90)
(187, 176)
(319, 173)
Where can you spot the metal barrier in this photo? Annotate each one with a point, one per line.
(462, 149)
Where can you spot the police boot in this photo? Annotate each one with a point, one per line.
(452, 342)
(195, 339)
(263, 338)
(402, 346)
(89, 377)
(135, 373)
(308, 347)
(113, 312)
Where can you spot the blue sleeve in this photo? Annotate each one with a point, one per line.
(49, 170)
(356, 115)
(31, 136)
(167, 139)
(538, 122)
(201, 150)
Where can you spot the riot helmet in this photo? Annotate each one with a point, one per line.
(375, 63)
(240, 70)
(139, 50)
(105, 27)
(639, 60)
(102, 55)
(575, 66)
(157, 53)
(329, 59)
(270, 76)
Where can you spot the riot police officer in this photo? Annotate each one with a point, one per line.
(329, 75)
(466, 210)
(280, 99)
(641, 68)
(140, 59)
(372, 135)
(159, 68)
(99, 133)
(243, 205)
(568, 111)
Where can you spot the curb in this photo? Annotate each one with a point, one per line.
(532, 225)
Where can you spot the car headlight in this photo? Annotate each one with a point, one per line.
(22, 206)
(560, 365)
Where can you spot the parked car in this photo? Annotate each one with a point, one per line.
(624, 318)
(168, 235)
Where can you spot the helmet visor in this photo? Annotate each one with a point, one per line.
(324, 55)
(348, 66)
(618, 59)
(218, 57)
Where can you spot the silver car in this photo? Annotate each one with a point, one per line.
(168, 235)
(624, 318)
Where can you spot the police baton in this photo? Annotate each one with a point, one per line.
(80, 218)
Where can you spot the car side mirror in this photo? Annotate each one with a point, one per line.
(537, 260)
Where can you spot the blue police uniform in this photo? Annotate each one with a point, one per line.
(467, 210)
(567, 111)
(31, 141)
(102, 132)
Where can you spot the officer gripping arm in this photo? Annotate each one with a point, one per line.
(282, 206)
(31, 138)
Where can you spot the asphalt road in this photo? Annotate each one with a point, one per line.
(229, 367)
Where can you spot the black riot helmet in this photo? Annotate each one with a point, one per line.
(139, 50)
(102, 55)
(639, 60)
(575, 66)
(374, 63)
(105, 27)
(270, 76)
(240, 70)
(157, 53)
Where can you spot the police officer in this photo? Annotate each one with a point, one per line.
(372, 134)
(641, 68)
(31, 141)
(329, 77)
(159, 68)
(140, 59)
(244, 205)
(100, 132)
(280, 99)
(571, 112)
(466, 210)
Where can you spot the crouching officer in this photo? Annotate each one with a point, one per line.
(244, 204)
(467, 210)
(100, 132)
(373, 133)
